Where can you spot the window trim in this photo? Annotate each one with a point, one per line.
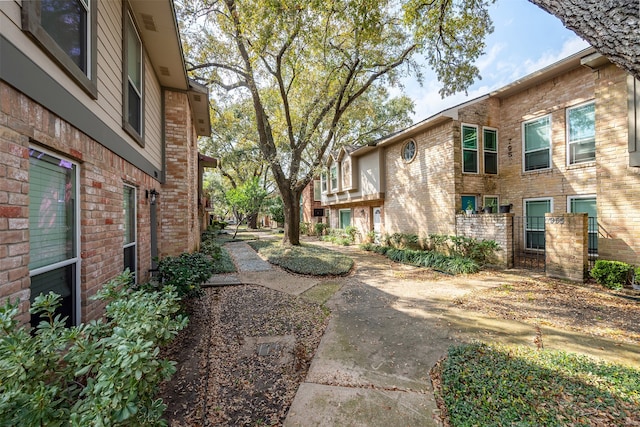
(525, 216)
(484, 151)
(404, 147)
(133, 132)
(493, 196)
(317, 193)
(476, 150)
(340, 211)
(77, 259)
(323, 182)
(334, 188)
(32, 25)
(135, 228)
(524, 153)
(569, 143)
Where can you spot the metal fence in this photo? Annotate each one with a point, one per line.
(529, 242)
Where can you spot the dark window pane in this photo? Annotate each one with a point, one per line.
(59, 281)
(135, 116)
(536, 160)
(470, 161)
(66, 22)
(491, 163)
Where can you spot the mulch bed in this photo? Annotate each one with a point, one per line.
(242, 357)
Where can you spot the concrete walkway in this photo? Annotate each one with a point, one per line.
(385, 334)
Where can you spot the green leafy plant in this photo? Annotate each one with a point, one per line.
(305, 228)
(611, 274)
(186, 273)
(518, 385)
(319, 228)
(105, 372)
(304, 259)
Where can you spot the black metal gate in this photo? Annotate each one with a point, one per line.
(529, 242)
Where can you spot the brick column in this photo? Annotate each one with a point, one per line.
(566, 246)
(497, 227)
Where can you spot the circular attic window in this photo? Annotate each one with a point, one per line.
(409, 150)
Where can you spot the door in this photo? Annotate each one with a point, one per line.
(377, 220)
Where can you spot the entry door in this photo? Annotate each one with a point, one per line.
(377, 220)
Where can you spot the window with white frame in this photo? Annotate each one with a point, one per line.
(54, 264)
(534, 210)
(345, 218)
(333, 175)
(129, 214)
(537, 143)
(490, 201)
(581, 133)
(323, 181)
(587, 204)
(317, 193)
(66, 29)
(133, 81)
(469, 148)
(490, 146)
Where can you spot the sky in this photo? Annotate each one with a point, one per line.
(525, 39)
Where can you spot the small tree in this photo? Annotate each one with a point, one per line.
(276, 210)
(245, 199)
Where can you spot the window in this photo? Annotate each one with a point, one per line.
(490, 201)
(409, 151)
(534, 222)
(468, 203)
(587, 204)
(317, 194)
(581, 133)
(345, 218)
(334, 177)
(129, 214)
(537, 144)
(469, 149)
(490, 145)
(133, 81)
(66, 30)
(53, 231)
(323, 181)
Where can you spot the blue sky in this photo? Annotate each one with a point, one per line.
(525, 39)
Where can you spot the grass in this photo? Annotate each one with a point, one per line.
(304, 259)
(321, 292)
(484, 385)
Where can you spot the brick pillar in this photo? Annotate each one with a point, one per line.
(566, 246)
(497, 227)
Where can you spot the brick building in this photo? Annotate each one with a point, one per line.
(562, 140)
(98, 156)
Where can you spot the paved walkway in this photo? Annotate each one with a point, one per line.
(386, 332)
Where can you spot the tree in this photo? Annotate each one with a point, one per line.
(310, 67)
(245, 199)
(234, 142)
(612, 27)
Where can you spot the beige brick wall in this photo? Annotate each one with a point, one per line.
(496, 227)
(420, 195)
(566, 246)
(552, 97)
(618, 185)
(102, 177)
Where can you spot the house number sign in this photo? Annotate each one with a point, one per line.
(554, 220)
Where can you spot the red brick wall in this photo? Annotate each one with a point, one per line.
(102, 177)
(179, 197)
(309, 204)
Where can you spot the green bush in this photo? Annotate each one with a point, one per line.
(305, 228)
(450, 264)
(403, 241)
(319, 228)
(342, 237)
(211, 248)
(186, 273)
(611, 274)
(101, 373)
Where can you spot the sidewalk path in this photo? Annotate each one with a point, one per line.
(387, 331)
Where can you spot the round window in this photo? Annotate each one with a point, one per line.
(409, 151)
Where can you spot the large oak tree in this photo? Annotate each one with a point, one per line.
(310, 68)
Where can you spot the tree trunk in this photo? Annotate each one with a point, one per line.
(291, 203)
(252, 221)
(610, 26)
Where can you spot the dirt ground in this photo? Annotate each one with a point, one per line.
(247, 348)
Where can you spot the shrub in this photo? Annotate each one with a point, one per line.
(339, 236)
(186, 273)
(431, 259)
(100, 373)
(611, 274)
(211, 248)
(403, 241)
(319, 228)
(305, 228)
